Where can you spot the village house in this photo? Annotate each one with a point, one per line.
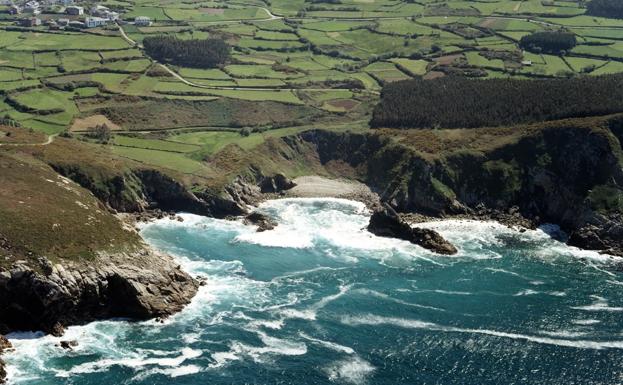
(30, 22)
(94, 22)
(74, 10)
(14, 10)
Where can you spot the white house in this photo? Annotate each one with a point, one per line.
(142, 21)
(93, 22)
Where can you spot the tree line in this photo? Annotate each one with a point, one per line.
(197, 53)
(455, 102)
(555, 42)
(605, 8)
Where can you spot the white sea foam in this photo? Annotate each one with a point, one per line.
(171, 372)
(354, 370)
(370, 319)
(386, 297)
(134, 361)
(272, 347)
(328, 344)
(600, 304)
(497, 270)
(586, 322)
(525, 293)
(310, 312)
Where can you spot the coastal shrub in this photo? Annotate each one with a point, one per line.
(458, 102)
(197, 53)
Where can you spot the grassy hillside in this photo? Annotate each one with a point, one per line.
(44, 214)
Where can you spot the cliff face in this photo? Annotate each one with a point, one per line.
(568, 173)
(65, 259)
(50, 296)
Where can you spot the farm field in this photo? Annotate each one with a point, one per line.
(317, 63)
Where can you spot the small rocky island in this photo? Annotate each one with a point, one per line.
(385, 222)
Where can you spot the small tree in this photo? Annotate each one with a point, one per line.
(101, 133)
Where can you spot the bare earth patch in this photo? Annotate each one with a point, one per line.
(448, 59)
(488, 22)
(344, 104)
(433, 75)
(83, 124)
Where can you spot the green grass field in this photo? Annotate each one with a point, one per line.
(317, 56)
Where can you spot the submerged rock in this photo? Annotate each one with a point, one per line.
(386, 223)
(263, 221)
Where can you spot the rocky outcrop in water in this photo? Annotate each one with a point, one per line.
(52, 295)
(4, 345)
(385, 222)
(262, 221)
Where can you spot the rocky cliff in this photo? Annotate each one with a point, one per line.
(567, 172)
(50, 296)
(65, 259)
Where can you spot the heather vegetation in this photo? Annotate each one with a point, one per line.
(454, 102)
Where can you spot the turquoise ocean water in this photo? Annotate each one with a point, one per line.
(319, 300)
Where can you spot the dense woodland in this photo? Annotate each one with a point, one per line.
(548, 42)
(453, 102)
(605, 8)
(208, 53)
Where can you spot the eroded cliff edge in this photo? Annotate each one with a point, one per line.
(567, 172)
(66, 259)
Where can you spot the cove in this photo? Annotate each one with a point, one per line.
(319, 300)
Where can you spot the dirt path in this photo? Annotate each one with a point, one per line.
(48, 141)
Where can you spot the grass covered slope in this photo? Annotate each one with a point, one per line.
(45, 214)
(455, 102)
(64, 257)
